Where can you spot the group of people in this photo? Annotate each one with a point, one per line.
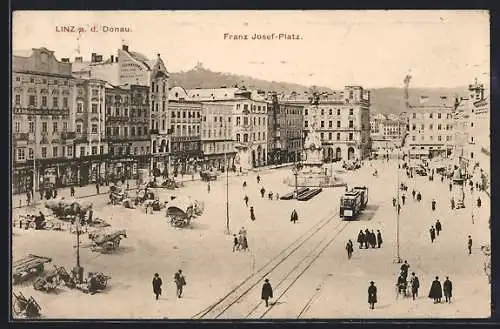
(435, 231)
(436, 292)
(179, 279)
(240, 241)
(368, 238)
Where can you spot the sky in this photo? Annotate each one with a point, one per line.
(335, 48)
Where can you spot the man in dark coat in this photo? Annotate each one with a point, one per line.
(236, 243)
(349, 249)
(372, 295)
(404, 269)
(258, 179)
(294, 217)
(433, 233)
(436, 291)
(246, 200)
(450, 186)
(361, 239)
(433, 205)
(379, 238)
(373, 239)
(438, 227)
(415, 284)
(267, 292)
(403, 198)
(469, 245)
(252, 214)
(413, 193)
(180, 282)
(72, 191)
(262, 191)
(367, 238)
(447, 287)
(452, 203)
(157, 285)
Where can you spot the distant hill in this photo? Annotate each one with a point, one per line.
(384, 100)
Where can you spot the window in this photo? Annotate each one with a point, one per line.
(79, 108)
(245, 138)
(330, 136)
(413, 138)
(439, 126)
(330, 112)
(44, 127)
(430, 115)
(78, 128)
(258, 136)
(322, 136)
(55, 152)
(31, 154)
(263, 135)
(338, 124)
(472, 124)
(101, 149)
(44, 152)
(306, 112)
(430, 126)
(263, 121)
(32, 100)
(351, 124)
(306, 124)
(20, 155)
(17, 127)
(253, 136)
(414, 115)
(18, 99)
(413, 127)
(351, 111)
(338, 111)
(94, 108)
(54, 127)
(350, 136)
(31, 126)
(330, 124)
(338, 136)
(183, 114)
(439, 115)
(125, 131)
(431, 137)
(447, 138)
(44, 100)
(245, 121)
(322, 111)
(94, 128)
(55, 101)
(322, 124)
(472, 155)
(94, 150)
(439, 138)
(65, 102)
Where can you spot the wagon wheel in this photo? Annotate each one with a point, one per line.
(17, 307)
(116, 242)
(32, 225)
(40, 268)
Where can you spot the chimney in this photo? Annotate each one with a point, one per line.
(112, 59)
(125, 47)
(78, 59)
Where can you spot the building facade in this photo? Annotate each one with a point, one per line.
(185, 139)
(127, 130)
(43, 95)
(217, 136)
(431, 128)
(344, 121)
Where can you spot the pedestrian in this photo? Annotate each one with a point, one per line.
(28, 198)
(436, 291)
(270, 195)
(349, 249)
(452, 203)
(252, 214)
(394, 202)
(399, 208)
(236, 243)
(433, 204)
(262, 192)
(433, 233)
(379, 238)
(442, 178)
(157, 285)
(373, 239)
(72, 191)
(367, 238)
(97, 188)
(258, 179)
(450, 186)
(41, 194)
(244, 184)
(361, 239)
(404, 269)
(479, 202)
(244, 243)
(180, 282)
(439, 228)
(246, 200)
(447, 287)
(277, 196)
(372, 295)
(415, 284)
(54, 193)
(242, 231)
(267, 292)
(469, 245)
(419, 197)
(208, 187)
(294, 217)
(413, 194)
(403, 198)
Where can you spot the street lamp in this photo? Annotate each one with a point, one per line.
(295, 173)
(398, 258)
(227, 180)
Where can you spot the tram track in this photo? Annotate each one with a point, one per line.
(218, 308)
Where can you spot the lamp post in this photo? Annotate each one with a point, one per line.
(295, 173)
(398, 257)
(226, 167)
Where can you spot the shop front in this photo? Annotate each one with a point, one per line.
(91, 169)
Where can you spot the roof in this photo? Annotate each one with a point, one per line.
(434, 102)
(213, 93)
(80, 66)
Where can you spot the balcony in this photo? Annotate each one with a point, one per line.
(117, 118)
(185, 138)
(154, 132)
(117, 138)
(68, 135)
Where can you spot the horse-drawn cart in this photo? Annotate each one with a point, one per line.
(25, 307)
(106, 241)
(181, 211)
(27, 267)
(53, 279)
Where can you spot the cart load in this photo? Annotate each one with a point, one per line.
(53, 279)
(106, 241)
(208, 175)
(68, 208)
(95, 282)
(144, 194)
(171, 184)
(25, 307)
(117, 194)
(29, 266)
(180, 213)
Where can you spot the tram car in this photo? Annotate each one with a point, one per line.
(353, 202)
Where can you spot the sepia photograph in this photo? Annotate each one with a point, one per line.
(250, 165)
